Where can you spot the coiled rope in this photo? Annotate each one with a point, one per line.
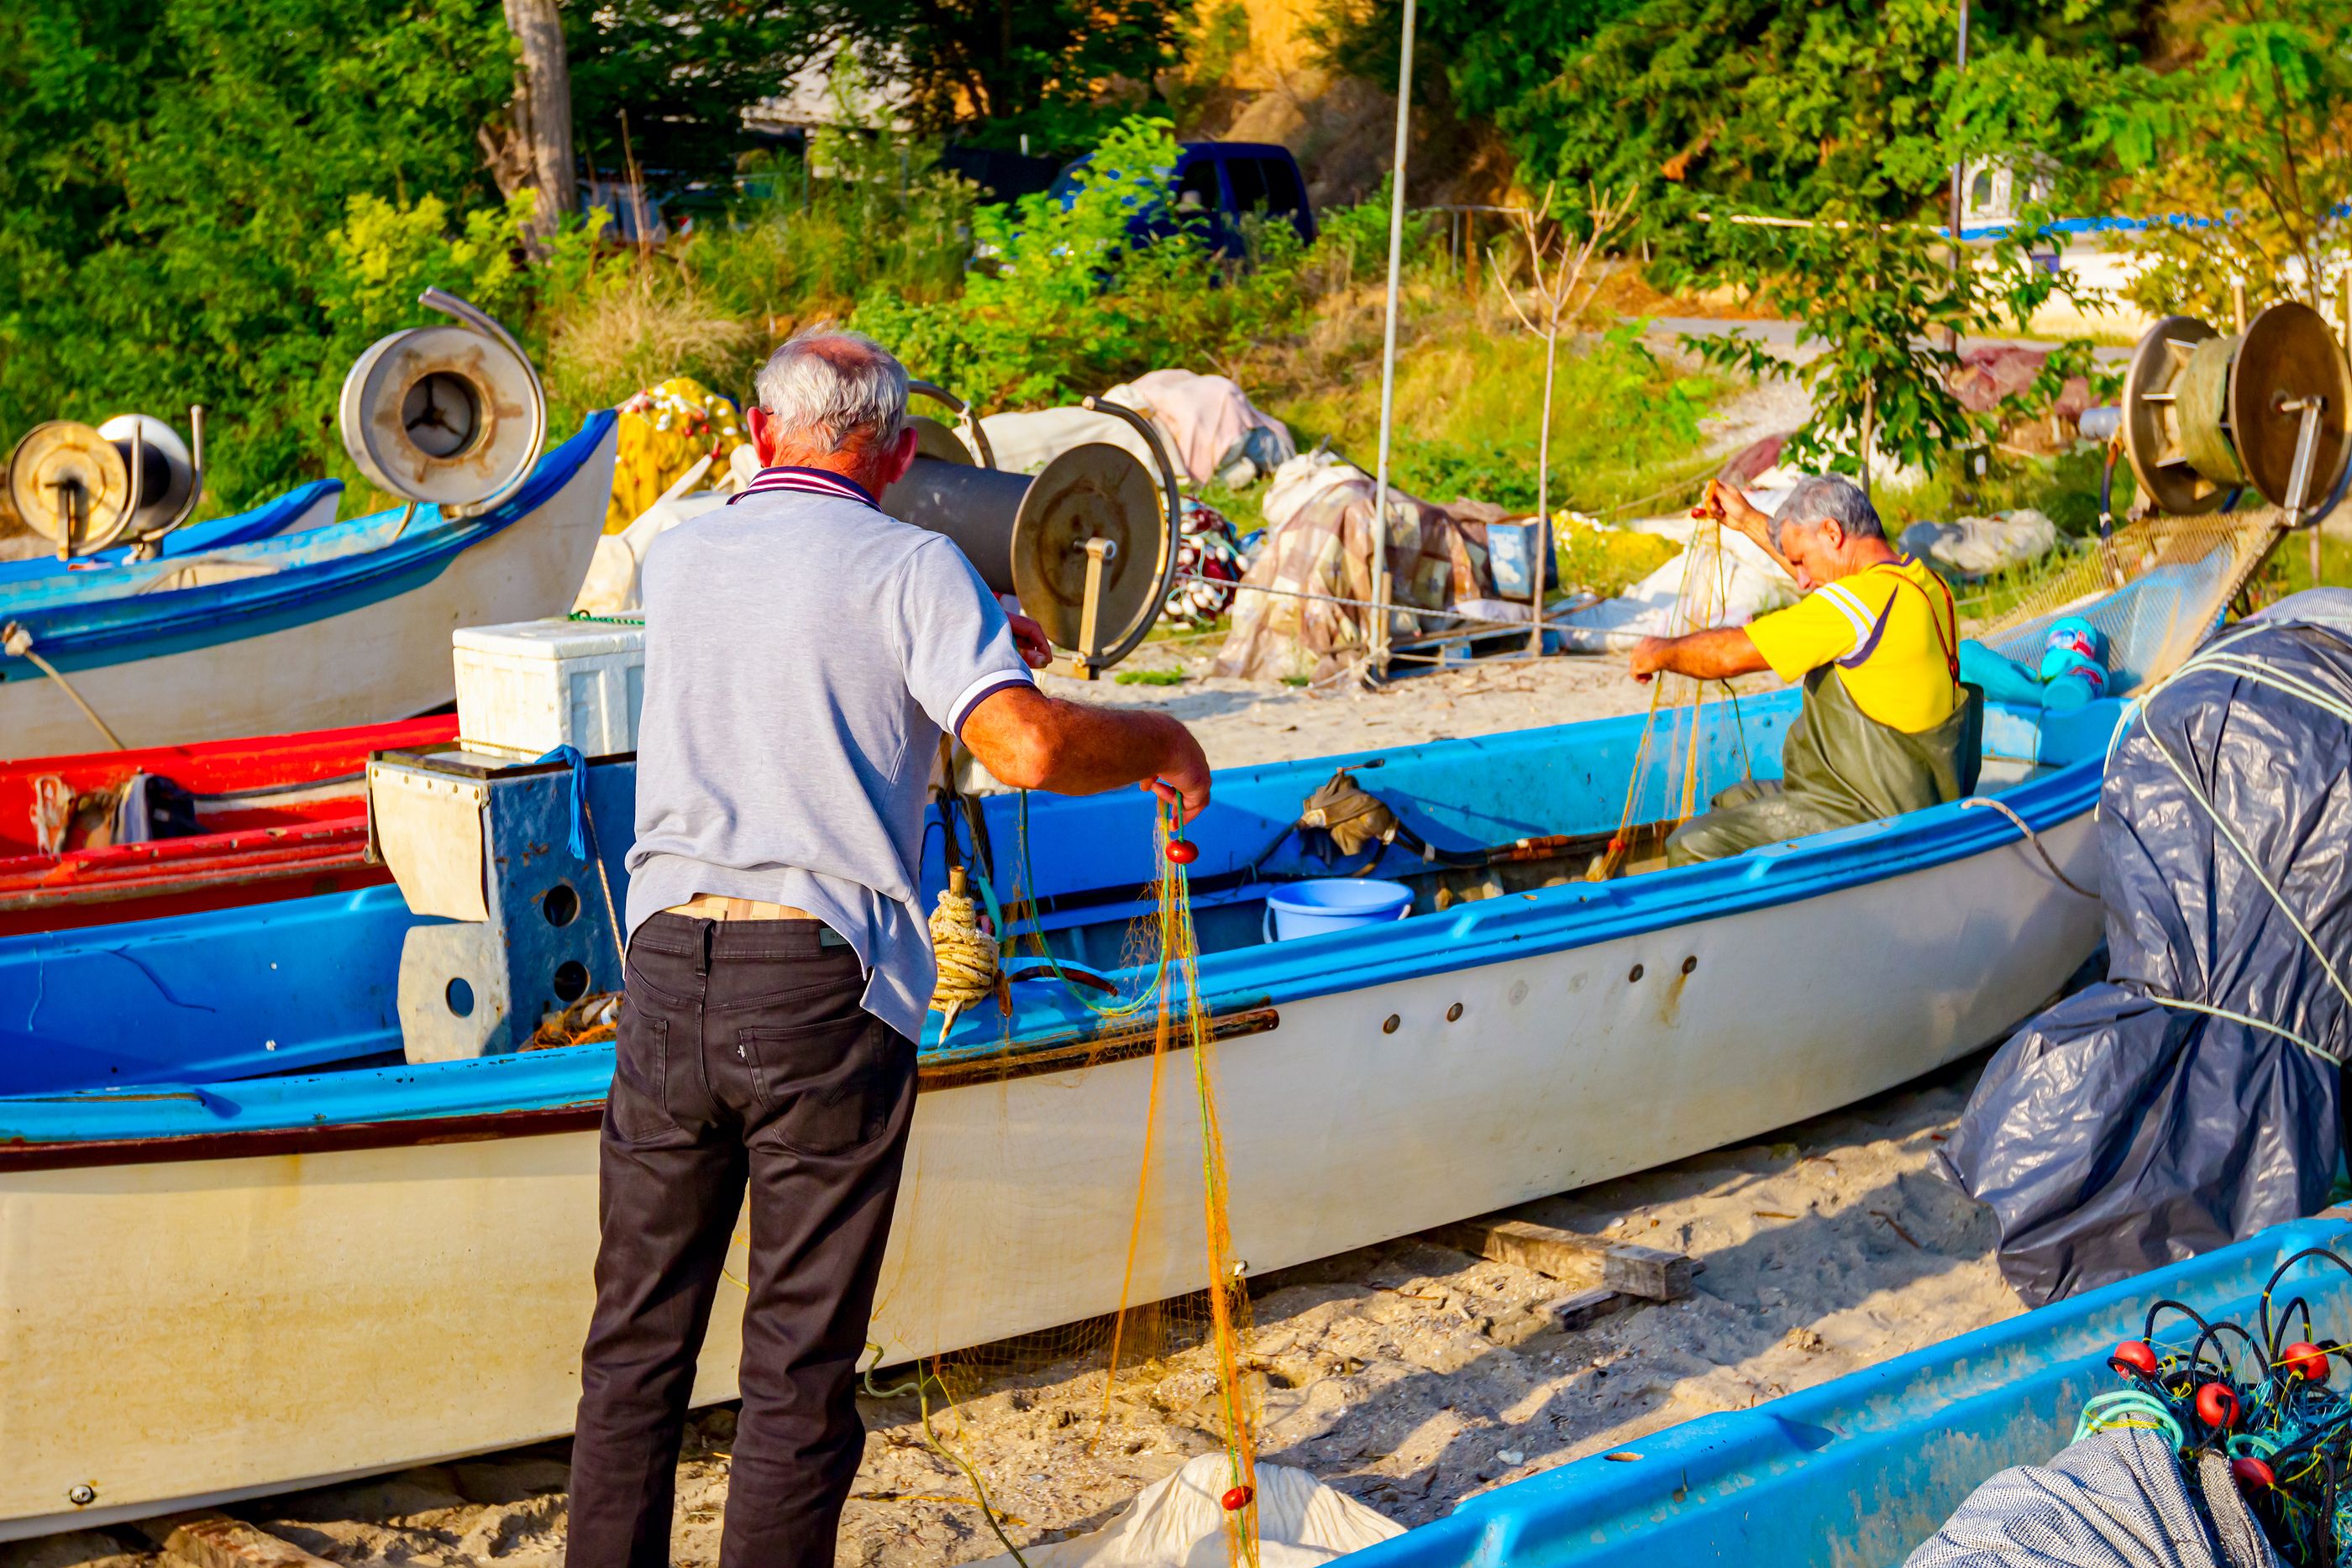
(965, 954)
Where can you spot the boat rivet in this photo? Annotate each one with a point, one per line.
(1454, 1013)
(1636, 974)
(1390, 1027)
(1690, 963)
(81, 1494)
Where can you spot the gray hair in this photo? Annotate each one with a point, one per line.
(1829, 498)
(831, 387)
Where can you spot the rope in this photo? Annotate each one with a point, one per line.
(965, 954)
(2248, 1019)
(14, 639)
(2127, 1409)
(2032, 838)
(1359, 603)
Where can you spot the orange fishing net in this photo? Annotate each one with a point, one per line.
(1147, 1358)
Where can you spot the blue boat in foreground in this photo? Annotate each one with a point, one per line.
(1862, 1470)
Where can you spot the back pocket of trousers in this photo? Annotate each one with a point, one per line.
(639, 1106)
(825, 1089)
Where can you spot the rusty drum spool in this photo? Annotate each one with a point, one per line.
(70, 486)
(2206, 414)
(447, 416)
(1029, 537)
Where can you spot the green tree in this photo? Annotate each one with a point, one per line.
(1741, 121)
(170, 176)
(2236, 149)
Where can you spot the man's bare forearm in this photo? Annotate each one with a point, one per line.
(1097, 748)
(1032, 741)
(1712, 656)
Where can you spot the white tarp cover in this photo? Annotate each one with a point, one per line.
(1750, 583)
(1179, 1522)
(1200, 419)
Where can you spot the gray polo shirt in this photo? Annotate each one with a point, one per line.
(803, 651)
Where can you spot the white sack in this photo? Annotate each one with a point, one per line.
(1752, 585)
(1179, 1522)
(1979, 546)
(611, 584)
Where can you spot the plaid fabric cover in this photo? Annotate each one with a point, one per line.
(1434, 559)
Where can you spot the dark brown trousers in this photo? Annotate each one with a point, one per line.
(743, 1060)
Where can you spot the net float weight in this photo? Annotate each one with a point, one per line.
(1238, 1498)
(2307, 1361)
(2252, 1472)
(1182, 852)
(2134, 1356)
(2217, 1406)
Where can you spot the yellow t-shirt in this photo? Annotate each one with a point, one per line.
(1891, 631)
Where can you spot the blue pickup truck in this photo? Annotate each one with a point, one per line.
(1221, 181)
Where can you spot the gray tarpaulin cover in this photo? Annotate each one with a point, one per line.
(2117, 1499)
(2120, 1131)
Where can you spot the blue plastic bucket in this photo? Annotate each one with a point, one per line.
(1333, 904)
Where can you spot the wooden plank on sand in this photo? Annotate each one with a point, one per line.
(1649, 1272)
(206, 1538)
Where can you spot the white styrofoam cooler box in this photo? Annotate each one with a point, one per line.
(530, 688)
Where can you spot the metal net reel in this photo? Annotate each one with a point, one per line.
(453, 416)
(84, 489)
(1087, 546)
(2207, 416)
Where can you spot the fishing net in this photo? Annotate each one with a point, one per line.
(2154, 590)
(1683, 760)
(1166, 1343)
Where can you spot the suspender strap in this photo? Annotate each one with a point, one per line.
(1870, 644)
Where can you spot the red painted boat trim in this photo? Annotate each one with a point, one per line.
(264, 851)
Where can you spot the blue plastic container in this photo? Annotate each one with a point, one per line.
(1333, 904)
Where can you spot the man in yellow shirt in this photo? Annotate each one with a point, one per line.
(1887, 726)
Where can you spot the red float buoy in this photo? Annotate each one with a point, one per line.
(2307, 1361)
(2134, 1356)
(1238, 1498)
(1184, 851)
(2216, 1406)
(2252, 1473)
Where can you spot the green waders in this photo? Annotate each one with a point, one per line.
(1839, 768)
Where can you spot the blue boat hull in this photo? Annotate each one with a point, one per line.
(1862, 1470)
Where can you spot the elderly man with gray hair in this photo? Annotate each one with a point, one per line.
(805, 654)
(1886, 726)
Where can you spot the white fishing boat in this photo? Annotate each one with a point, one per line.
(218, 1289)
(312, 627)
